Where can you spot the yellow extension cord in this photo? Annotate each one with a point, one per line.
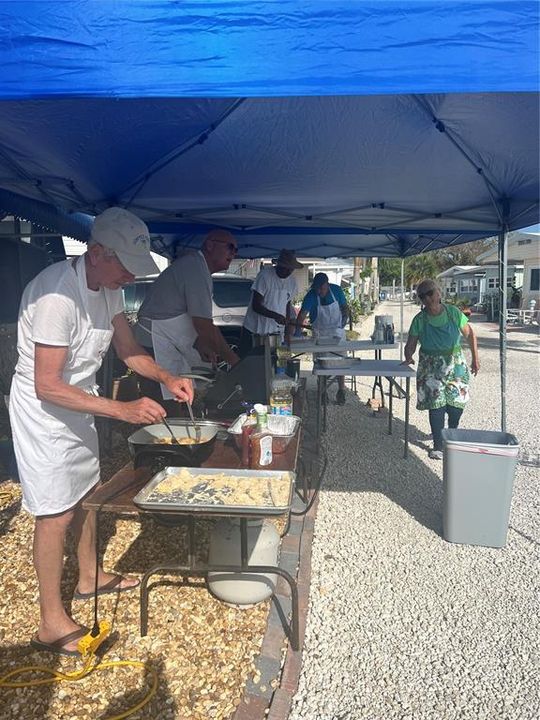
(87, 646)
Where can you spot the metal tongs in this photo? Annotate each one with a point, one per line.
(169, 428)
(197, 427)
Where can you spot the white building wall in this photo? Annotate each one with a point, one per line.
(529, 293)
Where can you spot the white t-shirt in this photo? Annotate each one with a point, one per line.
(52, 313)
(276, 293)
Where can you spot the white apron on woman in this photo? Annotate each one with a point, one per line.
(56, 448)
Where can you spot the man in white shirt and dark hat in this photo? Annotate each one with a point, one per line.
(68, 317)
(271, 294)
(176, 315)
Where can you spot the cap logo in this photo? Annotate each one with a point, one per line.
(141, 239)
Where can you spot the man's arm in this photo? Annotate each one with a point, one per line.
(344, 314)
(49, 362)
(224, 351)
(300, 320)
(257, 303)
(136, 358)
(210, 342)
(291, 320)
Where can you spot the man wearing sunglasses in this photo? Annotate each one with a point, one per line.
(176, 315)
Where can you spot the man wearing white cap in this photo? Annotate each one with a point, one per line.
(68, 316)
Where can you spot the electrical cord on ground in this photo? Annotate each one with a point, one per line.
(87, 645)
(89, 667)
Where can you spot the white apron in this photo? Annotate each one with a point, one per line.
(57, 449)
(328, 320)
(172, 340)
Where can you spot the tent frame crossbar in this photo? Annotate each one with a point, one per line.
(139, 183)
(441, 127)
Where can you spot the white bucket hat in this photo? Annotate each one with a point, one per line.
(126, 234)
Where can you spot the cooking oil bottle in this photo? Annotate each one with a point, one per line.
(281, 399)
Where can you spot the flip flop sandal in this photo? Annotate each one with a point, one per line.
(110, 587)
(57, 647)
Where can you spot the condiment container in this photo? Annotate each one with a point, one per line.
(261, 440)
(247, 429)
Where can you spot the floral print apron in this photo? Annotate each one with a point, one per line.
(442, 378)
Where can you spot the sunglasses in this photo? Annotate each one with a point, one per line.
(428, 293)
(231, 247)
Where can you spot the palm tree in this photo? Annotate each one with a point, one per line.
(419, 268)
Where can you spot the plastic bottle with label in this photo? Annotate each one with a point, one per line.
(261, 440)
(248, 428)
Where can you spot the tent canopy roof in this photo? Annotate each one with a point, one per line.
(332, 128)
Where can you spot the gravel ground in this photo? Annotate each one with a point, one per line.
(403, 625)
(202, 650)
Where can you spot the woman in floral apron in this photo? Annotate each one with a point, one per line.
(442, 381)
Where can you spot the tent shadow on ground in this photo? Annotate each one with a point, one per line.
(70, 572)
(39, 697)
(410, 482)
(14, 700)
(513, 345)
(7, 514)
(154, 709)
(158, 543)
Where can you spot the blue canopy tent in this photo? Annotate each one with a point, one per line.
(333, 127)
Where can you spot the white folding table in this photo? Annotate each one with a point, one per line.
(299, 347)
(389, 369)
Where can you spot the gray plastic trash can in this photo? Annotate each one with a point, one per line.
(478, 472)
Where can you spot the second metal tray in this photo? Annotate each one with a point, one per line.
(208, 492)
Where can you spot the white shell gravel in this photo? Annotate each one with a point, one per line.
(402, 624)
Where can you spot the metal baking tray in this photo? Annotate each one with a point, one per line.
(334, 361)
(206, 499)
(329, 364)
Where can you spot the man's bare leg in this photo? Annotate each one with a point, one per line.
(84, 529)
(49, 537)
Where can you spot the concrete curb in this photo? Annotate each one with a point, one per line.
(278, 667)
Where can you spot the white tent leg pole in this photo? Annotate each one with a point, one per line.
(503, 274)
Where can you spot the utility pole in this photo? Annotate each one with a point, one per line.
(357, 269)
(374, 280)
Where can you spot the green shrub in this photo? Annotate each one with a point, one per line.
(357, 308)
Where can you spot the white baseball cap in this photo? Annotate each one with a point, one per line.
(126, 234)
